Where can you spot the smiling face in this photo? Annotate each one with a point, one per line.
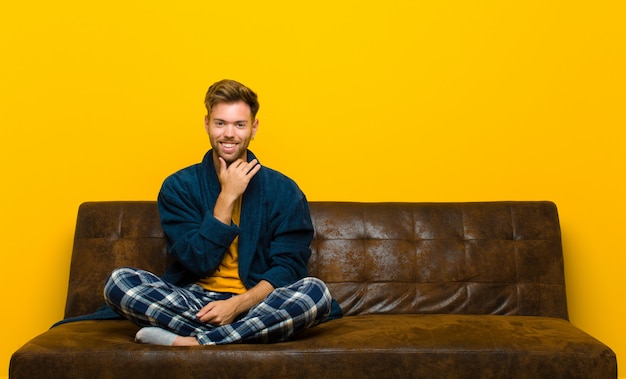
(230, 127)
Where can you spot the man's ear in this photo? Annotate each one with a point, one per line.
(255, 127)
(206, 123)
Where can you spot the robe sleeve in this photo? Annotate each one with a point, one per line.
(289, 250)
(195, 237)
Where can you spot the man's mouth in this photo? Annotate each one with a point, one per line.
(229, 145)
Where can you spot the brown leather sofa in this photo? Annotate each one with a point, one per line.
(429, 290)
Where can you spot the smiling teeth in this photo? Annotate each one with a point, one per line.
(228, 144)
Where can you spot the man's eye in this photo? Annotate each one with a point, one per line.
(240, 125)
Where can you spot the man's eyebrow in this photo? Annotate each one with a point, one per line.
(236, 122)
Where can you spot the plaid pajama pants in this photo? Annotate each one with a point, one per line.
(147, 300)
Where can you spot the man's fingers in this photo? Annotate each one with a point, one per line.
(202, 312)
(253, 167)
(246, 167)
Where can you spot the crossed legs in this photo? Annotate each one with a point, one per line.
(148, 301)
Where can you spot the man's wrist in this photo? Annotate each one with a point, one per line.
(253, 296)
(228, 198)
(224, 206)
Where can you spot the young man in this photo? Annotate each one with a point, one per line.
(240, 234)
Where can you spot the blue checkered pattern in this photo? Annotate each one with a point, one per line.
(145, 299)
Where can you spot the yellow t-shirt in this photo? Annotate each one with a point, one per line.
(226, 277)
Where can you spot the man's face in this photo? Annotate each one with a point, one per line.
(231, 127)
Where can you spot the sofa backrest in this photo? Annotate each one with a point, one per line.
(466, 258)
(462, 258)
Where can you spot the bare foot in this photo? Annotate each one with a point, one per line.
(185, 341)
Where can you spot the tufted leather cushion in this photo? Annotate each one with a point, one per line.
(463, 258)
(110, 235)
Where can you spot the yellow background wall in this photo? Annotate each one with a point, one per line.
(394, 101)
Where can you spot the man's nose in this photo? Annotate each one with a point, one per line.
(229, 130)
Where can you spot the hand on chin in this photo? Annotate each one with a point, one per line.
(232, 157)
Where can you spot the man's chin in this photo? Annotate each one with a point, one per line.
(230, 158)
